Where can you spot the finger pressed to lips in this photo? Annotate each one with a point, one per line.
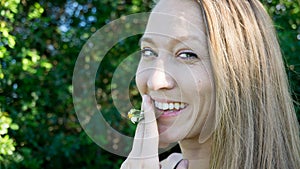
(146, 133)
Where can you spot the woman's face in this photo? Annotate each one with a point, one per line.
(175, 70)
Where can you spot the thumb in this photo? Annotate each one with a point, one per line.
(184, 164)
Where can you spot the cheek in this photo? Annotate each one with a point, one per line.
(205, 87)
(205, 81)
(205, 92)
(201, 96)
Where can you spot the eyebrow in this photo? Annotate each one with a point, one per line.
(173, 41)
(145, 39)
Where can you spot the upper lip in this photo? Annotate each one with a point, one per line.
(163, 100)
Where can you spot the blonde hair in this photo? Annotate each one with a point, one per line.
(257, 126)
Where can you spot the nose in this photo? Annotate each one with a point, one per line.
(160, 79)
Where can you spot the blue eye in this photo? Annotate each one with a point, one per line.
(148, 52)
(187, 55)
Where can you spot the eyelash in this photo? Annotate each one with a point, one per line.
(190, 55)
(144, 50)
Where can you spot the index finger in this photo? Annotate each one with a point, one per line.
(146, 138)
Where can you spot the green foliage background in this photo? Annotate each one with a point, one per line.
(39, 44)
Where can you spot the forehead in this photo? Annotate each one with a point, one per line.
(179, 7)
(175, 18)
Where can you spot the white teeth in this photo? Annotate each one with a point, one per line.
(155, 104)
(182, 105)
(169, 106)
(159, 105)
(177, 106)
(165, 106)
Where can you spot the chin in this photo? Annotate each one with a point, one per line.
(169, 135)
(166, 138)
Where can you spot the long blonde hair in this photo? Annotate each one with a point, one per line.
(257, 126)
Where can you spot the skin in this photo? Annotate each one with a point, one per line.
(174, 67)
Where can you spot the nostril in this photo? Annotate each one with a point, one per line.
(160, 80)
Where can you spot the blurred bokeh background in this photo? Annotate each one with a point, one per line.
(40, 41)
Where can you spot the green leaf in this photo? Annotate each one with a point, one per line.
(14, 126)
(11, 41)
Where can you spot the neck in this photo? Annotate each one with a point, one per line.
(197, 154)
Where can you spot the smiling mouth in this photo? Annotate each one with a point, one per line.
(169, 109)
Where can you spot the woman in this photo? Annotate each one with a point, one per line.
(212, 79)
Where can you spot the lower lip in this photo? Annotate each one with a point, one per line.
(169, 113)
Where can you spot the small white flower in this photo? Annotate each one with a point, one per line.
(135, 115)
(134, 120)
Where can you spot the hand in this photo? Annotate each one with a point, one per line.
(144, 153)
